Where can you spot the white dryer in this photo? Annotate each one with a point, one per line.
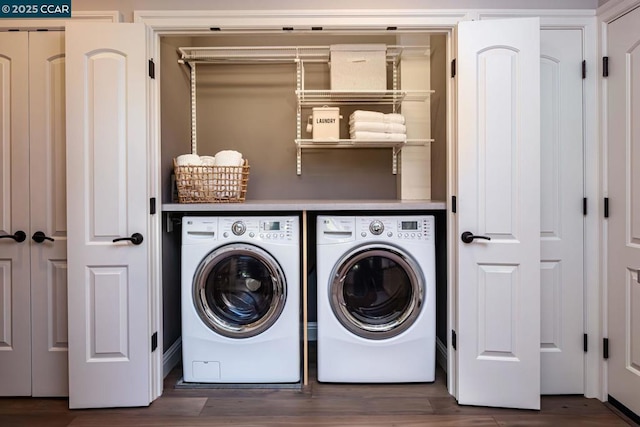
(241, 299)
(376, 299)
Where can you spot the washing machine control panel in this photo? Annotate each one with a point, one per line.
(396, 228)
(246, 229)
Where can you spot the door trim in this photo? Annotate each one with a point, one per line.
(606, 14)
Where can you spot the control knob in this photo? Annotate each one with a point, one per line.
(376, 227)
(238, 228)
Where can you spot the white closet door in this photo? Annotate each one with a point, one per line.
(109, 336)
(48, 214)
(623, 246)
(15, 312)
(498, 298)
(562, 216)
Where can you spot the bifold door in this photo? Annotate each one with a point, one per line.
(498, 215)
(33, 265)
(107, 175)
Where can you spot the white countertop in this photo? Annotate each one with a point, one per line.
(308, 205)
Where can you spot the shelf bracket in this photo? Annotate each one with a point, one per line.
(394, 161)
(194, 127)
(299, 87)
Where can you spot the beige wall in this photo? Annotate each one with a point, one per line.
(252, 109)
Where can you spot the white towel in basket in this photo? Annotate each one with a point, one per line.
(228, 158)
(228, 184)
(208, 160)
(188, 160)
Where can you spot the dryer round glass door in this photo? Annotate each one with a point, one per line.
(239, 290)
(377, 291)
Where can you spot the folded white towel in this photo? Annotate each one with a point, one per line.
(188, 160)
(377, 127)
(378, 136)
(376, 116)
(228, 158)
(208, 160)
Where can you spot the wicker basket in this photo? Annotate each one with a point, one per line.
(211, 184)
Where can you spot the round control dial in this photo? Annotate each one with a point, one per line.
(238, 228)
(376, 227)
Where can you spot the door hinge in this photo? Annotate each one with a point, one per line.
(605, 348)
(154, 341)
(584, 69)
(606, 207)
(585, 343)
(605, 66)
(584, 206)
(454, 204)
(453, 68)
(152, 69)
(454, 340)
(152, 206)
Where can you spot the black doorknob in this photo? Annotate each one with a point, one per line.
(468, 237)
(136, 239)
(18, 236)
(40, 237)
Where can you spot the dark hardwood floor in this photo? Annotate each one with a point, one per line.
(324, 405)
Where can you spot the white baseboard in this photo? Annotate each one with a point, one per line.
(441, 354)
(171, 357)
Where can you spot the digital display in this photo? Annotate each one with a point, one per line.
(271, 225)
(409, 225)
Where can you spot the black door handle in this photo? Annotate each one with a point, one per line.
(18, 236)
(40, 237)
(468, 237)
(136, 239)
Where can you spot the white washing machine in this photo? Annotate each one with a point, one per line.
(376, 299)
(241, 299)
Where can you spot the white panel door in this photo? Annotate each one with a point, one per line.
(562, 216)
(48, 214)
(109, 333)
(498, 305)
(15, 312)
(623, 246)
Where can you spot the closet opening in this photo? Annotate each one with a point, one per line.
(253, 106)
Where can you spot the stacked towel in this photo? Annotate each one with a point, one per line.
(376, 126)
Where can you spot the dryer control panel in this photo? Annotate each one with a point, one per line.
(396, 227)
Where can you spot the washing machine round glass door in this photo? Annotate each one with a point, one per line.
(239, 290)
(376, 291)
